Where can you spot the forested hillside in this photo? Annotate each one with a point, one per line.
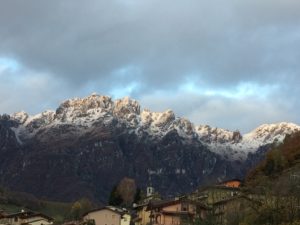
(276, 183)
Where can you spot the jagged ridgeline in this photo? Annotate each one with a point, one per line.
(88, 145)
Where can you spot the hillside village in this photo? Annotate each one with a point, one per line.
(220, 200)
(225, 203)
(217, 200)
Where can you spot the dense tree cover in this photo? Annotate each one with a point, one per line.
(115, 198)
(278, 159)
(275, 182)
(11, 201)
(138, 195)
(125, 193)
(79, 208)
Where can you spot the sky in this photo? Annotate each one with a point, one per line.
(231, 64)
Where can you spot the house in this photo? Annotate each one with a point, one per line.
(176, 211)
(25, 218)
(234, 183)
(142, 214)
(2, 214)
(229, 210)
(108, 215)
(211, 194)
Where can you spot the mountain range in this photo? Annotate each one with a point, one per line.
(88, 144)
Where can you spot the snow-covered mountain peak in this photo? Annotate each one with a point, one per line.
(125, 106)
(84, 110)
(85, 114)
(217, 135)
(83, 104)
(157, 119)
(127, 109)
(235, 146)
(29, 125)
(21, 117)
(268, 133)
(184, 127)
(39, 120)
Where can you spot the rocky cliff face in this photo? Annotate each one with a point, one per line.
(87, 145)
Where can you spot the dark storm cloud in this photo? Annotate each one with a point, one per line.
(216, 41)
(153, 45)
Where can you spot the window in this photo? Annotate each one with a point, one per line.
(184, 207)
(16, 219)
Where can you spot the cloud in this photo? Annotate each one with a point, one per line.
(138, 48)
(242, 114)
(222, 43)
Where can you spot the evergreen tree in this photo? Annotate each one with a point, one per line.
(137, 196)
(115, 198)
